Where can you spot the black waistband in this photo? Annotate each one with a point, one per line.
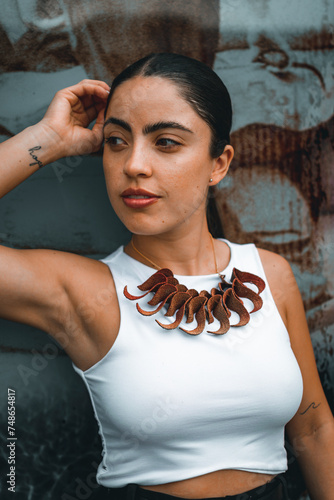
(274, 490)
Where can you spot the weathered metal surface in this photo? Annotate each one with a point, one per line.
(278, 66)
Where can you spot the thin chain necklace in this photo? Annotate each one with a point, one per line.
(159, 267)
(202, 306)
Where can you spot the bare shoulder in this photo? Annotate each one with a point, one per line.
(91, 316)
(273, 263)
(91, 289)
(75, 274)
(87, 282)
(282, 282)
(74, 269)
(277, 270)
(71, 297)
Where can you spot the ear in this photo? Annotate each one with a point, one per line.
(221, 165)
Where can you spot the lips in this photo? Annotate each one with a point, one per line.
(138, 198)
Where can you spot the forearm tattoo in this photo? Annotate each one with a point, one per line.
(34, 157)
(312, 405)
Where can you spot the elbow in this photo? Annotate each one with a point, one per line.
(315, 436)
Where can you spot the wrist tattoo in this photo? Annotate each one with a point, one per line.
(34, 157)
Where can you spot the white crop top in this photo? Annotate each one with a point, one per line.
(171, 406)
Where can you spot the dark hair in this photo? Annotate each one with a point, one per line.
(198, 84)
(204, 91)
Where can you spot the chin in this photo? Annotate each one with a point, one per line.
(141, 225)
(145, 231)
(146, 222)
(146, 227)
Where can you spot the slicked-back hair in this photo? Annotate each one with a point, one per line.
(197, 84)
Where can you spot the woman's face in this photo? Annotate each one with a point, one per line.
(156, 157)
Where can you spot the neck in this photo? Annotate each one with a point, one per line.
(186, 253)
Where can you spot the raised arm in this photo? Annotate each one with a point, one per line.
(34, 283)
(62, 132)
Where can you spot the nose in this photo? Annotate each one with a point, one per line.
(137, 162)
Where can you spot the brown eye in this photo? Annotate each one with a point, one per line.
(114, 141)
(167, 143)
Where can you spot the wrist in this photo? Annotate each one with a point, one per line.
(44, 143)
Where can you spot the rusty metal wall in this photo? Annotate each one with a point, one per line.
(279, 194)
(276, 58)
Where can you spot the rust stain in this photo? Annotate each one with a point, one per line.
(305, 157)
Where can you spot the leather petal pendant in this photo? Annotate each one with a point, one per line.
(188, 303)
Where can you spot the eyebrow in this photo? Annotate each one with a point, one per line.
(148, 129)
(153, 127)
(117, 121)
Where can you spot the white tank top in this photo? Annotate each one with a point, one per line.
(172, 406)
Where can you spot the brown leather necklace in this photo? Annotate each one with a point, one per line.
(203, 306)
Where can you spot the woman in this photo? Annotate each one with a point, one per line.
(182, 412)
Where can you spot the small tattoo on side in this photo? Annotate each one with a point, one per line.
(312, 405)
(34, 157)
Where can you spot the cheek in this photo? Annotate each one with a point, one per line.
(188, 186)
(107, 174)
(110, 177)
(111, 167)
(188, 197)
(189, 174)
(105, 163)
(191, 182)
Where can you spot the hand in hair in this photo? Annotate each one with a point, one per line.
(70, 113)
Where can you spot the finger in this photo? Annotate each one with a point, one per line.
(87, 82)
(100, 106)
(93, 100)
(95, 82)
(99, 120)
(97, 129)
(92, 112)
(81, 91)
(92, 109)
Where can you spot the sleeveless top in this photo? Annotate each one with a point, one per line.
(171, 406)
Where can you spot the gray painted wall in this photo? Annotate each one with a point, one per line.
(276, 59)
